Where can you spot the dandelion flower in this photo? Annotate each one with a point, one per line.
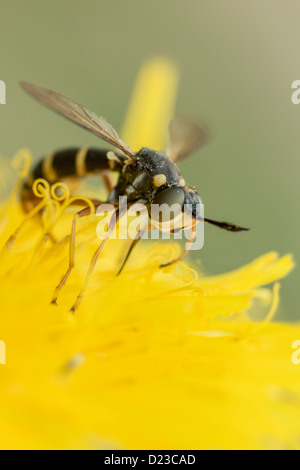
(154, 358)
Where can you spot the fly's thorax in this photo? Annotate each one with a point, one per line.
(154, 171)
(147, 175)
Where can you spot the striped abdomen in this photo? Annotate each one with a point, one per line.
(70, 163)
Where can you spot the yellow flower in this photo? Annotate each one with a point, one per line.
(154, 358)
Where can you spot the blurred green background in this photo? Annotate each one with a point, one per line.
(237, 60)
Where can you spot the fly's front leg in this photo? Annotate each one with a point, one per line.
(185, 252)
(83, 213)
(134, 242)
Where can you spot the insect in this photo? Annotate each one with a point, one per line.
(147, 176)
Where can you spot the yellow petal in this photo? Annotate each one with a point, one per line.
(154, 358)
(152, 105)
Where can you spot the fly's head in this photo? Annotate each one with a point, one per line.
(175, 209)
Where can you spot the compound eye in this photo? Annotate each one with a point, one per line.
(167, 206)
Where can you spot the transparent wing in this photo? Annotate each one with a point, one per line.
(77, 113)
(185, 136)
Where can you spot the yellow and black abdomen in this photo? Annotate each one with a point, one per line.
(69, 164)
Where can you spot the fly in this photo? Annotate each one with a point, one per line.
(146, 176)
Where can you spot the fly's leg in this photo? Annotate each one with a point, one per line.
(185, 252)
(83, 213)
(134, 242)
(107, 181)
(113, 222)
